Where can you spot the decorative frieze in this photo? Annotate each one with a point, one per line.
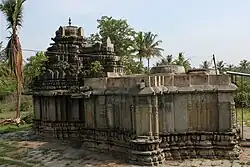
(200, 144)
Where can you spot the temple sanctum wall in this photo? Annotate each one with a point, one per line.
(146, 119)
(156, 110)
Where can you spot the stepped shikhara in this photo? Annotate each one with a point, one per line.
(145, 118)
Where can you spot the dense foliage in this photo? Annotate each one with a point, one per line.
(34, 66)
(129, 44)
(133, 47)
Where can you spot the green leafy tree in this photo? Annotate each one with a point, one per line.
(96, 68)
(181, 60)
(34, 67)
(118, 30)
(93, 38)
(5, 71)
(243, 93)
(122, 36)
(134, 67)
(7, 79)
(244, 66)
(13, 12)
(230, 67)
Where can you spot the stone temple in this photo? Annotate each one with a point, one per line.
(147, 119)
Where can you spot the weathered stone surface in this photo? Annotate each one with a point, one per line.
(167, 69)
(145, 118)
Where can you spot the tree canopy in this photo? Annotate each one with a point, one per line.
(118, 30)
(131, 45)
(34, 66)
(179, 60)
(122, 35)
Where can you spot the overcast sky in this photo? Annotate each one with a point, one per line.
(199, 28)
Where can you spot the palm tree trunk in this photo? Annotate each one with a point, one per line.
(18, 72)
(148, 65)
(19, 87)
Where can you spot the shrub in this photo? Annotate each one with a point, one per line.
(28, 118)
(25, 105)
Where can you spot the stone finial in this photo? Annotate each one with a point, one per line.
(109, 44)
(69, 21)
(109, 41)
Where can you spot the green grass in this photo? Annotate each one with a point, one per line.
(4, 161)
(8, 107)
(246, 115)
(13, 128)
(7, 111)
(6, 148)
(12, 114)
(11, 154)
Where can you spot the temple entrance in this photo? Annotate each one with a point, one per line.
(242, 103)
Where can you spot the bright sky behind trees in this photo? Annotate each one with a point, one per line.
(199, 28)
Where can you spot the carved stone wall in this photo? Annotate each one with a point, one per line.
(147, 119)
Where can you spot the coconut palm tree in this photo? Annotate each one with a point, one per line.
(221, 66)
(147, 46)
(151, 46)
(205, 64)
(230, 67)
(169, 59)
(181, 60)
(13, 12)
(139, 46)
(244, 65)
(166, 60)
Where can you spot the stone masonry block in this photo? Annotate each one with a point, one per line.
(181, 80)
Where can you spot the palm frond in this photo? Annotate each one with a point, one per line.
(18, 13)
(9, 51)
(13, 11)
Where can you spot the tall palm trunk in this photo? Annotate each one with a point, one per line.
(140, 56)
(19, 91)
(148, 65)
(17, 65)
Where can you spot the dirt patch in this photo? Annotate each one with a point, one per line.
(40, 153)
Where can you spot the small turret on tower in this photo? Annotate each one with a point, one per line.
(69, 21)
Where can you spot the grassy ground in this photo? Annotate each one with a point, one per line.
(246, 115)
(10, 154)
(14, 128)
(8, 107)
(7, 111)
(12, 114)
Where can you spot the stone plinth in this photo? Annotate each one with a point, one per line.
(146, 151)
